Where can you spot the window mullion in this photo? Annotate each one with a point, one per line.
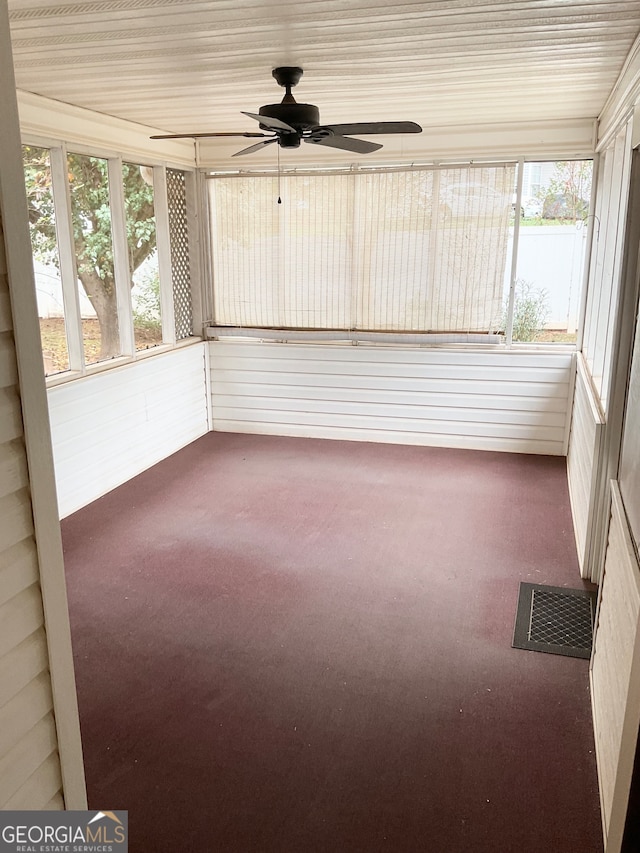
(214, 261)
(121, 269)
(514, 254)
(67, 256)
(195, 201)
(163, 240)
(355, 303)
(586, 271)
(432, 279)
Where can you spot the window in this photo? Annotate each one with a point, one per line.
(402, 250)
(142, 255)
(552, 245)
(411, 250)
(100, 278)
(44, 244)
(93, 244)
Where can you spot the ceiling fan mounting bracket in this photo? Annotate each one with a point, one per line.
(287, 76)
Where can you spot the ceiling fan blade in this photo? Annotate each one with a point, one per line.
(202, 135)
(272, 123)
(360, 146)
(367, 127)
(255, 147)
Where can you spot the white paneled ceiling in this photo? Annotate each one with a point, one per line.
(189, 65)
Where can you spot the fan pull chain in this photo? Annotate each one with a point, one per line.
(279, 197)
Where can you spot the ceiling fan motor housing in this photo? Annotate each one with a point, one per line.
(301, 116)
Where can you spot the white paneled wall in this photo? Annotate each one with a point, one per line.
(587, 425)
(513, 401)
(108, 427)
(615, 675)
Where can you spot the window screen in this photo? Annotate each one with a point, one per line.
(418, 250)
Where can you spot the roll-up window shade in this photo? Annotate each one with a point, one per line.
(420, 250)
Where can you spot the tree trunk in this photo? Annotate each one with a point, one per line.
(103, 298)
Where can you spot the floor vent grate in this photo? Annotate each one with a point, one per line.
(555, 620)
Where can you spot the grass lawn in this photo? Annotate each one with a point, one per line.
(54, 342)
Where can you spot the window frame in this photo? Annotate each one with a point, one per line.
(202, 274)
(58, 150)
(604, 274)
(506, 343)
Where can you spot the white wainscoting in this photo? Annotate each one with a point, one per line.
(615, 675)
(484, 400)
(585, 439)
(108, 427)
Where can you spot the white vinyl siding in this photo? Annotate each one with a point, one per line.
(30, 775)
(108, 427)
(615, 675)
(460, 398)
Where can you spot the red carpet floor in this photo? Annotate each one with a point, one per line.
(294, 645)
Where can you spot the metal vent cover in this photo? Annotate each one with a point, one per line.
(555, 620)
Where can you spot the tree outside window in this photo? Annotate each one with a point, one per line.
(143, 256)
(93, 244)
(92, 241)
(42, 228)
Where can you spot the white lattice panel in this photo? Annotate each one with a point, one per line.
(179, 240)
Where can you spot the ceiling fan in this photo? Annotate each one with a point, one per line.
(289, 122)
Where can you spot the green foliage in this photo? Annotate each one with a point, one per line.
(141, 224)
(530, 311)
(91, 213)
(146, 303)
(91, 217)
(37, 171)
(568, 193)
(91, 221)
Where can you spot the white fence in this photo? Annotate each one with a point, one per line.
(551, 257)
(49, 293)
